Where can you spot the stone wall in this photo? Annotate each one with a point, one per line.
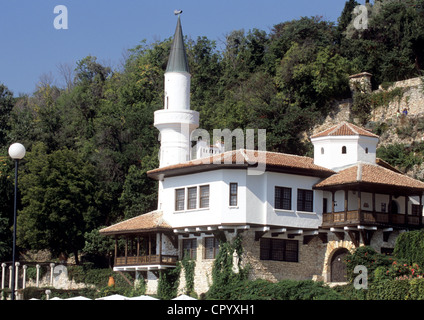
(309, 266)
(314, 260)
(412, 100)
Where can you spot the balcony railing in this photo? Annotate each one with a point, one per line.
(374, 218)
(146, 260)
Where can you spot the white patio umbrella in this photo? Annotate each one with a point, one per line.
(113, 297)
(143, 297)
(184, 297)
(78, 298)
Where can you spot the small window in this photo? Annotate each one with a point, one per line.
(344, 150)
(192, 198)
(283, 198)
(383, 207)
(305, 200)
(279, 250)
(366, 150)
(211, 247)
(190, 248)
(179, 199)
(204, 197)
(417, 210)
(322, 150)
(233, 194)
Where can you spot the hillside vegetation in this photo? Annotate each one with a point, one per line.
(90, 143)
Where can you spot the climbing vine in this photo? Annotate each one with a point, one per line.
(189, 265)
(223, 276)
(169, 280)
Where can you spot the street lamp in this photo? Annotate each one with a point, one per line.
(16, 152)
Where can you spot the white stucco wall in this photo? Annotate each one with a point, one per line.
(255, 200)
(328, 151)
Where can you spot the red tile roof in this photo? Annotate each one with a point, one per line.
(152, 221)
(371, 175)
(345, 129)
(246, 158)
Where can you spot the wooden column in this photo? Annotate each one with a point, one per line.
(373, 204)
(421, 211)
(332, 201)
(126, 250)
(389, 208)
(406, 210)
(360, 206)
(160, 248)
(138, 246)
(346, 204)
(116, 249)
(150, 247)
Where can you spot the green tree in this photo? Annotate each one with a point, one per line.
(6, 106)
(59, 201)
(6, 208)
(139, 193)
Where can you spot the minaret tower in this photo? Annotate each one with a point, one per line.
(176, 121)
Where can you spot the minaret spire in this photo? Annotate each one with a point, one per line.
(178, 58)
(176, 121)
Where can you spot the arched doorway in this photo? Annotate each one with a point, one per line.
(394, 207)
(338, 266)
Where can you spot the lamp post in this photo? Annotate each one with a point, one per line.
(16, 152)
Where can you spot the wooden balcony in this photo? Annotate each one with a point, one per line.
(371, 218)
(159, 260)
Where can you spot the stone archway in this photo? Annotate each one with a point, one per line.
(338, 272)
(333, 246)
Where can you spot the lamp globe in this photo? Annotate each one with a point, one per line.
(17, 151)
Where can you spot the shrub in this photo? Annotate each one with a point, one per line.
(410, 247)
(368, 257)
(283, 290)
(389, 290)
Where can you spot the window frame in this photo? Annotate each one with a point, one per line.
(233, 195)
(285, 250)
(190, 198)
(211, 251)
(179, 200)
(302, 202)
(279, 201)
(191, 250)
(203, 198)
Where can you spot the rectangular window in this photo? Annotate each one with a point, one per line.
(417, 210)
(279, 250)
(190, 248)
(233, 194)
(204, 197)
(179, 199)
(211, 247)
(383, 207)
(192, 198)
(305, 200)
(283, 198)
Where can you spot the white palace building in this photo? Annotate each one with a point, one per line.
(297, 218)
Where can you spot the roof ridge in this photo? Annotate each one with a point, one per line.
(352, 127)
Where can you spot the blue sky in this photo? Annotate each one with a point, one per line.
(31, 46)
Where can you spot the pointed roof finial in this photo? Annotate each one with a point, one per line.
(178, 61)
